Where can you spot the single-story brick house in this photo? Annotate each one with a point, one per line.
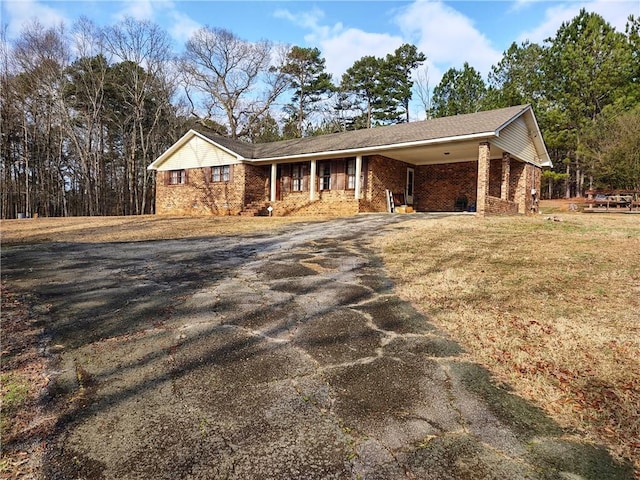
(487, 162)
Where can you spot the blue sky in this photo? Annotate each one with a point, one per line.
(447, 32)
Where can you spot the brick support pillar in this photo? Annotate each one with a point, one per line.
(312, 181)
(522, 192)
(506, 176)
(484, 163)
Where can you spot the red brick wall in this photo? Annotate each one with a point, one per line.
(256, 178)
(328, 202)
(497, 206)
(383, 174)
(439, 186)
(495, 177)
(199, 195)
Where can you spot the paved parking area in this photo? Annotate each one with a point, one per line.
(280, 356)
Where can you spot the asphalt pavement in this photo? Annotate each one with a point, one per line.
(275, 356)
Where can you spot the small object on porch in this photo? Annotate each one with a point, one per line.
(461, 204)
(398, 199)
(390, 203)
(404, 209)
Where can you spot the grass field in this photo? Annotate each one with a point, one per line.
(550, 307)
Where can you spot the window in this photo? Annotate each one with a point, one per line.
(351, 174)
(325, 176)
(220, 174)
(296, 177)
(177, 177)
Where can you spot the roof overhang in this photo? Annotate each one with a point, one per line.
(420, 152)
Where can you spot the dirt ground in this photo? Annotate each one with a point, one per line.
(282, 354)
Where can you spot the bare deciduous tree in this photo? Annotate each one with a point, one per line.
(422, 89)
(236, 76)
(146, 48)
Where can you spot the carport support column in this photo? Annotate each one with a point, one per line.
(506, 176)
(484, 155)
(272, 185)
(358, 185)
(312, 181)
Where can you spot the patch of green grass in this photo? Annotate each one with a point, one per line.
(14, 392)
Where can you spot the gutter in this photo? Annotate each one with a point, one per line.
(362, 150)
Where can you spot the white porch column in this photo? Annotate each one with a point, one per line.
(272, 185)
(312, 181)
(358, 185)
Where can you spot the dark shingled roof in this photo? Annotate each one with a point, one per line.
(445, 127)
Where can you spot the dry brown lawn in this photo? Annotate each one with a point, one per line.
(138, 228)
(552, 307)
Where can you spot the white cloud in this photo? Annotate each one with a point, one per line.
(139, 9)
(343, 49)
(446, 37)
(182, 27)
(614, 12)
(340, 46)
(519, 5)
(21, 12)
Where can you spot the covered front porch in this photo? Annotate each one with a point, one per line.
(473, 175)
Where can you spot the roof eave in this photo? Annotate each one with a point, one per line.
(183, 140)
(541, 149)
(374, 149)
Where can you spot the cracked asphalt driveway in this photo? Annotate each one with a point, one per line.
(276, 356)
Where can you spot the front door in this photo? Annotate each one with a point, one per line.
(408, 193)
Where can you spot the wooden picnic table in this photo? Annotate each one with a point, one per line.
(612, 200)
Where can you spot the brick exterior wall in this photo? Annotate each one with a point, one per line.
(382, 174)
(495, 177)
(328, 202)
(437, 189)
(524, 177)
(439, 186)
(497, 206)
(199, 195)
(256, 185)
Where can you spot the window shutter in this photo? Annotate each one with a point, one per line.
(186, 176)
(230, 173)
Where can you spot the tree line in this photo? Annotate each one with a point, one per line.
(584, 86)
(84, 111)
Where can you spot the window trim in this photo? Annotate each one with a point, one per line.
(297, 177)
(324, 176)
(177, 177)
(221, 174)
(351, 177)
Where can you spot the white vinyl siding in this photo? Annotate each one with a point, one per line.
(516, 140)
(198, 153)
